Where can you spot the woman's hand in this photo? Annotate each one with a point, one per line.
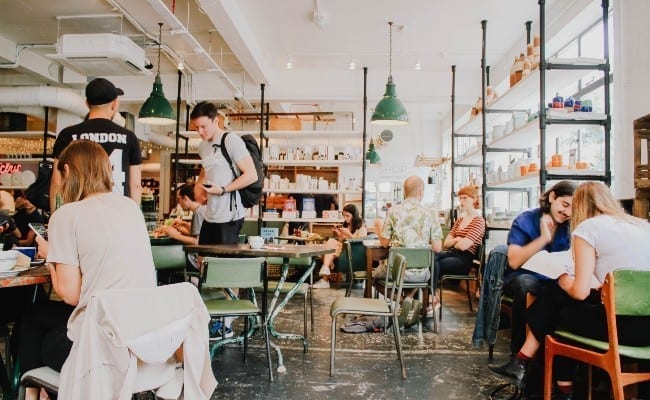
(42, 247)
(344, 233)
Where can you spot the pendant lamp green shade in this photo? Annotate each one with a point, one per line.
(156, 110)
(371, 155)
(389, 110)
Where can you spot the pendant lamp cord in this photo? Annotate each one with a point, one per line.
(159, 44)
(390, 48)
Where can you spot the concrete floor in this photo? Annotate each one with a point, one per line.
(440, 366)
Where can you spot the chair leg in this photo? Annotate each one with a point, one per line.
(348, 291)
(398, 345)
(548, 368)
(245, 336)
(311, 307)
(304, 316)
(267, 341)
(442, 281)
(469, 297)
(333, 344)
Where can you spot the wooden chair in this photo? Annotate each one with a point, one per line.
(242, 273)
(380, 307)
(624, 293)
(473, 275)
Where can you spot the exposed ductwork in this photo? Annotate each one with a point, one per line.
(43, 96)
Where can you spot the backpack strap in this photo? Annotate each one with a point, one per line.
(234, 174)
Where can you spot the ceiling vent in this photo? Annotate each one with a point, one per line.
(100, 54)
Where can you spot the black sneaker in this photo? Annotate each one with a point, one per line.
(514, 371)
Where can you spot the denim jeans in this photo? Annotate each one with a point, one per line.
(489, 306)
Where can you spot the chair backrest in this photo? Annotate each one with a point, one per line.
(233, 272)
(353, 256)
(631, 294)
(416, 257)
(395, 278)
(168, 257)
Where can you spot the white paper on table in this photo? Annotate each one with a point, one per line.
(553, 265)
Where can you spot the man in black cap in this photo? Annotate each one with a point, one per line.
(120, 143)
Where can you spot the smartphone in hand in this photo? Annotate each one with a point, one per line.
(39, 230)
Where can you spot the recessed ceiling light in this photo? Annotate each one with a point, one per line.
(352, 66)
(418, 66)
(289, 63)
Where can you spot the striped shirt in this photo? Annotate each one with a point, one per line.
(474, 231)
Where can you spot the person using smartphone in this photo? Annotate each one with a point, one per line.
(26, 213)
(9, 233)
(352, 227)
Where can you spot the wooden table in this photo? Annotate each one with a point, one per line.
(32, 276)
(285, 251)
(374, 252)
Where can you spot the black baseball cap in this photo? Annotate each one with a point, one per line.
(101, 91)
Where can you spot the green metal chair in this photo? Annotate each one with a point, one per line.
(472, 275)
(380, 307)
(418, 258)
(355, 258)
(242, 273)
(169, 259)
(624, 293)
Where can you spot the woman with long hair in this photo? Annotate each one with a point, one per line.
(603, 239)
(352, 227)
(97, 240)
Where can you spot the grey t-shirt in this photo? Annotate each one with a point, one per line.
(218, 209)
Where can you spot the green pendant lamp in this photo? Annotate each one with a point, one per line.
(156, 110)
(389, 110)
(371, 155)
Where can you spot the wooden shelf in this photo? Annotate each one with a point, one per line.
(312, 163)
(307, 191)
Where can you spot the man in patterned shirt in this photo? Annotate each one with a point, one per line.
(410, 224)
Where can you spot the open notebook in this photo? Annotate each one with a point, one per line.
(554, 264)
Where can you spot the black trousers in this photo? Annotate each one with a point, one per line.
(43, 336)
(453, 262)
(220, 233)
(554, 309)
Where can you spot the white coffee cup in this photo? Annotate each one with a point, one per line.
(256, 242)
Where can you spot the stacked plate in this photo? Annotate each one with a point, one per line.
(8, 260)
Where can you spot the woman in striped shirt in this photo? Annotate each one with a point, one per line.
(464, 238)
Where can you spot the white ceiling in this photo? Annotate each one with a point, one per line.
(252, 40)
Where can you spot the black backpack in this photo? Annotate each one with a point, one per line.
(251, 194)
(38, 193)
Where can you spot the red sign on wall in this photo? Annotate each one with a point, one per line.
(10, 168)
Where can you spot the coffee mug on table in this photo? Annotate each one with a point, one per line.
(256, 242)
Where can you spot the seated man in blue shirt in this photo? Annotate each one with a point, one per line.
(543, 228)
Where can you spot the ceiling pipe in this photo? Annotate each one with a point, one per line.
(176, 25)
(43, 96)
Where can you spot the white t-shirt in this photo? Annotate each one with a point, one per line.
(106, 237)
(217, 170)
(618, 243)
